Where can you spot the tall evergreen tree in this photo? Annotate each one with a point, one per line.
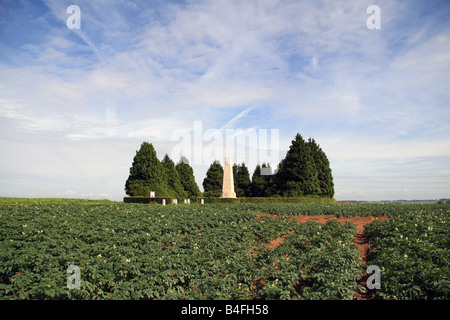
(186, 174)
(239, 193)
(241, 180)
(322, 164)
(297, 174)
(147, 174)
(212, 184)
(261, 183)
(173, 179)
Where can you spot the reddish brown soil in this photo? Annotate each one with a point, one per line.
(359, 222)
(359, 239)
(276, 242)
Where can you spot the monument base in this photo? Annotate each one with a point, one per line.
(229, 195)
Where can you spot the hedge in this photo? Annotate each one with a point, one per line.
(140, 199)
(306, 199)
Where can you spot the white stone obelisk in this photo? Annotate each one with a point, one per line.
(228, 181)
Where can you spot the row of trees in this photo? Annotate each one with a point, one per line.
(304, 171)
(243, 186)
(164, 177)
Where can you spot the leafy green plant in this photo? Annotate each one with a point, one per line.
(215, 251)
(412, 251)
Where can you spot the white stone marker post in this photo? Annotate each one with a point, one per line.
(228, 181)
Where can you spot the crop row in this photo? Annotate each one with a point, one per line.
(127, 251)
(369, 209)
(413, 252)
(213, 251)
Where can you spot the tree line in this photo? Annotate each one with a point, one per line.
(147, 174)
(304, 171)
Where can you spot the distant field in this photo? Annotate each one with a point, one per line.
(218, 251)
(40, 201)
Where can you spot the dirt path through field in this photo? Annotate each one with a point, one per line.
(359, 240)
(359, 222)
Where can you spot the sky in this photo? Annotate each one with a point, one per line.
(206, 79)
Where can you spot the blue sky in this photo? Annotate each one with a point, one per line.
(75, 105)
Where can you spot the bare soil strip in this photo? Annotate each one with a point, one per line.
(359, 240)
(359, 222)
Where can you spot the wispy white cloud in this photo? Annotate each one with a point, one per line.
(137, 71)
(240, 115)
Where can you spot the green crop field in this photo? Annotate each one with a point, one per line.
(217, 251)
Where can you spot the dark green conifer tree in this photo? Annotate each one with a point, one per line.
(147, 174)
(186, 174)
(212, 184)
(322, 164)
(297, 174)
(241, 178)
(261, 185)
(173, 179)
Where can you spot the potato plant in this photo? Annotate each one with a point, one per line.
(413, 253)
(212, 251)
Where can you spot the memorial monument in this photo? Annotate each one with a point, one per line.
(228, 181)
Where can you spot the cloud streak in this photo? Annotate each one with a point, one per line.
(136, 71)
